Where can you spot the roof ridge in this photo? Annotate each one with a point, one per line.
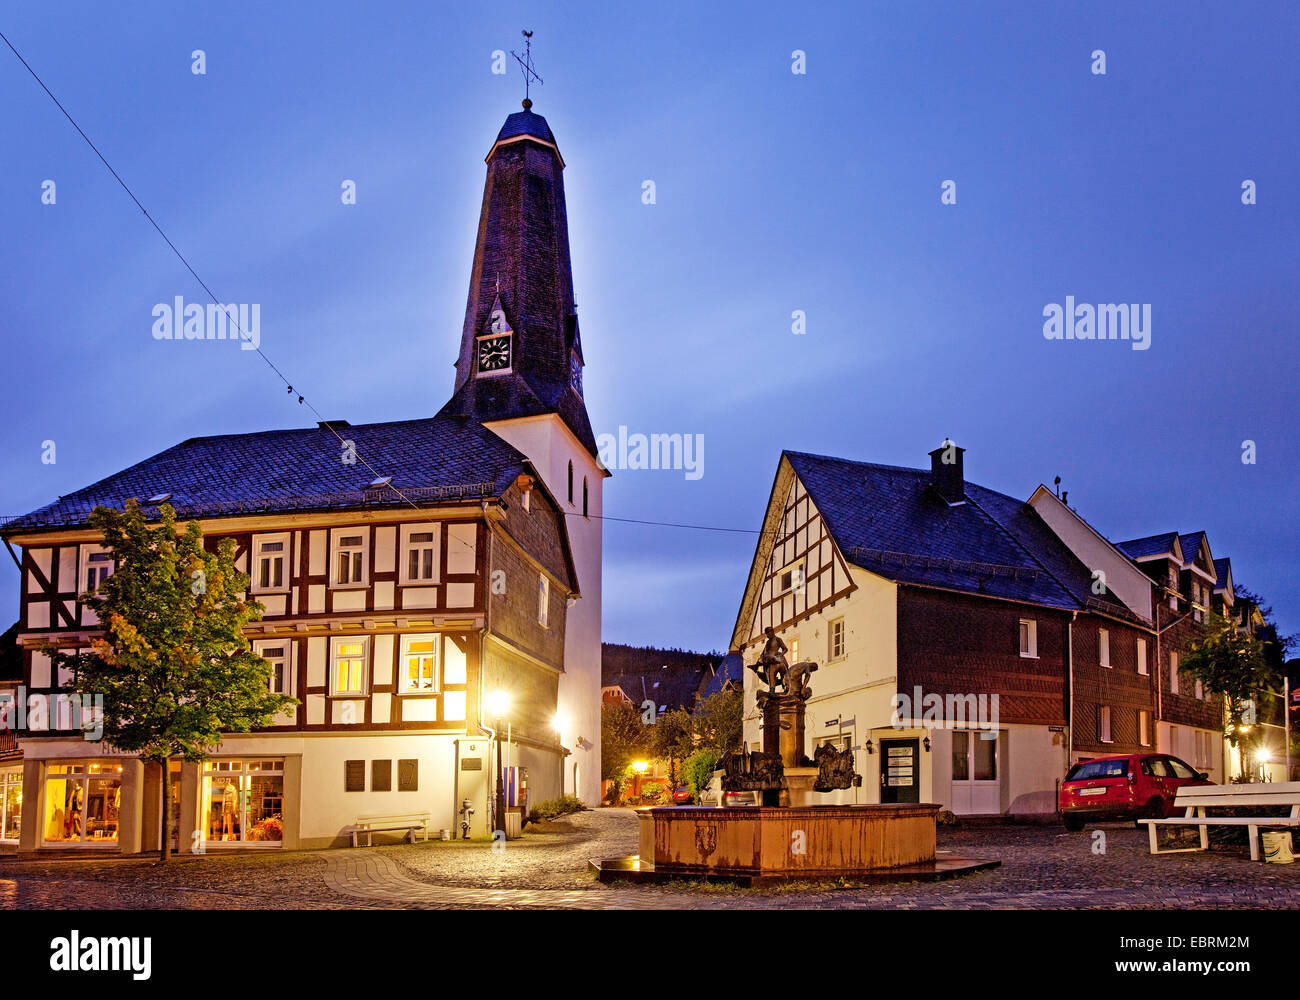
(1019, 544)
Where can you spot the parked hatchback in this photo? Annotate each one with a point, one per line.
(1125, 787)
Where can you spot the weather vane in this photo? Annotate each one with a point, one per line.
(526, 64)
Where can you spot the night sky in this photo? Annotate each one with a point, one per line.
(775, 192)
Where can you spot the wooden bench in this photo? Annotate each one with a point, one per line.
(407, 823)
(1197, 799)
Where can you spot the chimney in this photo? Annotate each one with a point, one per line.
(946, 474)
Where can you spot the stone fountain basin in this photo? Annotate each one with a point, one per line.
(786, 841)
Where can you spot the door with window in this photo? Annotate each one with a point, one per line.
(975, 786)
(900, 771)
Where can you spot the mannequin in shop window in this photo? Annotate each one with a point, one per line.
(74, 812)
(229, 811)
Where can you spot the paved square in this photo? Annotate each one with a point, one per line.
(1042, 867)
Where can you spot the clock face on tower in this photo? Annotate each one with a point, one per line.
(494, 354)
(575, 373)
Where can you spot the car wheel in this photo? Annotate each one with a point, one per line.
(1072, 823)
(1155, 809)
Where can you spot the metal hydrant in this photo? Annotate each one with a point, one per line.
(467, 811)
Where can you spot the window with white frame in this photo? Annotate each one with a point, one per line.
(543, 600)
(837, 638)
(1144, 727)
(1142, 656)
(792, 578)
(420, 553)
(1103, 724)
(348, 665)
(794, 649)
(1103, 647)
(1173, 672)
(349, 549)
(277, 653)
(418, 666)
(96, 566)
(270, 563)
(1028, 637)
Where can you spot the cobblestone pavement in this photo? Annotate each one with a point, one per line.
(1042, 867)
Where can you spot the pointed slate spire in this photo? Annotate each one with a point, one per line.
(522, 268)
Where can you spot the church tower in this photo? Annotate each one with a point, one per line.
(519, 373)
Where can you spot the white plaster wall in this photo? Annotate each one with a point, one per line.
(550, 445)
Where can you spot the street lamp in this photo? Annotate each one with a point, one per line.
(498, 703)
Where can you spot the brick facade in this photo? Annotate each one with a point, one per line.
(951, 643)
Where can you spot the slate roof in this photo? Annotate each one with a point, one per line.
(1151, 545)
(431, 460)
(732, 668)
(889, 520)
(526, 123)
(668, 686)
(1191, 545)
(1222, 567)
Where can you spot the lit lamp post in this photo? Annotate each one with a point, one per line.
(561, 725)
(498, 703)
(639, 769)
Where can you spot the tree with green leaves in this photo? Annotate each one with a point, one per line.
(624, 738)
(171, 664)
(1228, 660)
(698, 768)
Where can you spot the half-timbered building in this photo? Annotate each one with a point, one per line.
(970, 646)
(394, 605)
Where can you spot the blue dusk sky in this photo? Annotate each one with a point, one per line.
(775, 192)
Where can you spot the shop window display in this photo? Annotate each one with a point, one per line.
(11, 804)
(82, 803)
(243, 802)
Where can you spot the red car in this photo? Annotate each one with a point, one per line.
(1124, 787)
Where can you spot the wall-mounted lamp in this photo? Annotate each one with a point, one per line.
(871, 748)
(926, 743)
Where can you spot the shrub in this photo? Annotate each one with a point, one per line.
(552, 808)
(698, 768)
(652, 790)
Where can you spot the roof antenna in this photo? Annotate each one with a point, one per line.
(526, 64)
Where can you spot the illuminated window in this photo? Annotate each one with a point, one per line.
(1103, 724)
(82, 803)
(1173, 672)
(347, 666)
(270, 562)
(242, 802)
(543, 600)
(1142, 656)
(1144, 727)
(419, 664)
(11, 804)
(1103, 647)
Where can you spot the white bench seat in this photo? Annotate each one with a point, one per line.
(408, 823)
(1197, 799)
